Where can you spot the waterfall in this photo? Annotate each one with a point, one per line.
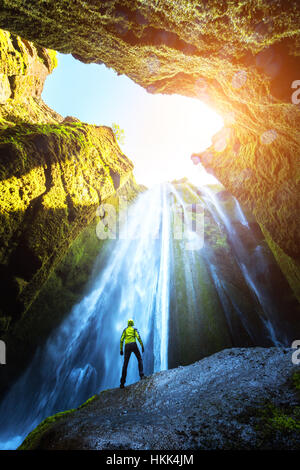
(170, 282)
(254, 269)
(162, 298)
(82, 356)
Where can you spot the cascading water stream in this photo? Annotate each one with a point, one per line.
(161, 339)
(252, 267)
(169, 285)
(82, 356)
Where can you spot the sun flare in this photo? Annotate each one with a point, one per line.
(161, 131)
(169, 131)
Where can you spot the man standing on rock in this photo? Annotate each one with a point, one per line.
(129, 335)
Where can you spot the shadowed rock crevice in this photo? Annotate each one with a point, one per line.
(115, 178)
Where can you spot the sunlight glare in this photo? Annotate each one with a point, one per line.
(174, 128)
(161, 131)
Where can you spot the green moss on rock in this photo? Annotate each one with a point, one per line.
(289, 266)
(88, 401)
(24, 67)
(279, 424)
(296, 381)
(276, 419)
(53, 179)
(33, 438)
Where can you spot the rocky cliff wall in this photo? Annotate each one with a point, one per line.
(54, 173)
(24, 68)
(62, 287)
(241, 58)
(53, 179)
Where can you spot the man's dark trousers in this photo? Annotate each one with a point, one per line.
(129, 348)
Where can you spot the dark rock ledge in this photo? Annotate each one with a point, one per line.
(243, 398)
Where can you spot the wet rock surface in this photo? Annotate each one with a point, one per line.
(243, 398)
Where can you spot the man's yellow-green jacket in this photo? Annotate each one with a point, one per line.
(129, 335)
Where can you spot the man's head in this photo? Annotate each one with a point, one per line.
(130, 322)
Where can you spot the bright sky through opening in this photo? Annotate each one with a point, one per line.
(161, 131)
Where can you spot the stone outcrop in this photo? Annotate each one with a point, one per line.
(265, 178)
(24, 68)
(236, 399)
(167, 47)
(53, 179)
(241, 58)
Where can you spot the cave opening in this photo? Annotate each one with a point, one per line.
(161, 131)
